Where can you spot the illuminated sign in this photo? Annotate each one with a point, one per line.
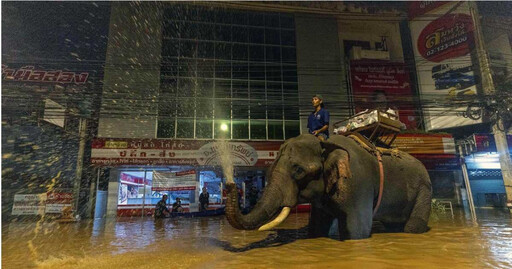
(29, 74)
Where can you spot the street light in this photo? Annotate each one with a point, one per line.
(224, 127)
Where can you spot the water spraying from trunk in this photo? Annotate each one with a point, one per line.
(224, 159)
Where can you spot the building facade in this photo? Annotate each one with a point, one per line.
(191, 74)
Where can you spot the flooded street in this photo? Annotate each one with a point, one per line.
(213, 243)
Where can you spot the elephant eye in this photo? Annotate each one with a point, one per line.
(298, 172)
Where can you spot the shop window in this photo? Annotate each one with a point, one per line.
(256, 35)
(240, 34)
(170, 48)
(222, 129)
(258, 129)
(188, 49)
(240, 52)
(185, 128)
(496, 199)
(240, 110)
(241, 89)
(223, 16)
(223, 33)
(212, 182)
(223, 51)
(240, 17)
(166, 128)
(240, 129)
(185, 107)
(273, 54)
(274, 73)
(275, 111)
(206, 32)
(272, 36)
(256, 19)
(287, 38)
(186, 87)
(275, 129)
(205, 50)
(272, 20)
(291, 129)
(205, 68)
(232, 55)
(204, 109)
(290, 73)
(222, 109)
(257, 53)
(289, 55)
(204, 88)
(222, 88)
(223, 70)
(349, 44)
(287, 21)
(258, 109)
(131, 188)
(204, 129)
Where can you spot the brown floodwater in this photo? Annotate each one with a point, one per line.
(212, 243)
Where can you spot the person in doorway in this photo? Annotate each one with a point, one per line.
(318, 121)
(204, 200)
(161, 210)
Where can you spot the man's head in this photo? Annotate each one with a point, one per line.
(380, 99)
(178, 199)
(164, 197)
(317, 100)
(204, 189)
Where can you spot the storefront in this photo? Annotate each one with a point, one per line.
(143, 170)
(484, 170)
(437, 153)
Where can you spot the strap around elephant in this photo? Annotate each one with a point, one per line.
(381, 182)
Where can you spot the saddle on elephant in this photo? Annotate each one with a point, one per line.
(375, 128)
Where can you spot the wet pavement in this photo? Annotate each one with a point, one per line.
(212, 243)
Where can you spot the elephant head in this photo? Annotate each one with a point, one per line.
(295, 176)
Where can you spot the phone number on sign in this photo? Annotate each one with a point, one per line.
(447, 45)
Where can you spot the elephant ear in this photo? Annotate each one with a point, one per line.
(336, 167)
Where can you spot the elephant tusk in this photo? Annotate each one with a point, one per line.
(282, 216)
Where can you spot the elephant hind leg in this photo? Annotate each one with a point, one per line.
(418, 221)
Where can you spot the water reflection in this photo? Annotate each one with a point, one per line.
(211, 242)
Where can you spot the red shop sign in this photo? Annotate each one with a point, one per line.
(448, 37)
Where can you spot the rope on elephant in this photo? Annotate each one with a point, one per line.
(363, 142)
(378, 152)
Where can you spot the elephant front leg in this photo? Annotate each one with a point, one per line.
(355, 225)
(319, 223)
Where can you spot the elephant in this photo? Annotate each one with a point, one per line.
(341, 180)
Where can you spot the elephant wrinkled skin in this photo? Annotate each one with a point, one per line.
(341, 181)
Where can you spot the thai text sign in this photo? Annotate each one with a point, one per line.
(29, 204)
(425, 144)
(442, 40)
(369, 79)
(29, 74)
(174, 181)
(114, 151)
(57, 201)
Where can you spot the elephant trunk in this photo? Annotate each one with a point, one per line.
(265, 209)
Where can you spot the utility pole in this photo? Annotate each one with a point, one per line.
(82, 134)
(500, 136)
